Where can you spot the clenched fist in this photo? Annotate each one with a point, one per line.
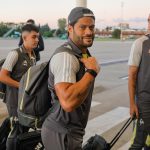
(91, 63)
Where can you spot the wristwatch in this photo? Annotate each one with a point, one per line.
(92, 72)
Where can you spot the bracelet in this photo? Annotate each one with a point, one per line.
(92, 72)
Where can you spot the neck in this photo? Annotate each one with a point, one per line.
(28, 49)
(84, 50)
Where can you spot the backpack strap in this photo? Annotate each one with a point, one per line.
(1, 62)
(18, 50)
(148, 35)
(66, 48)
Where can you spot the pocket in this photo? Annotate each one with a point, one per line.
(43, 100)
(29, 104)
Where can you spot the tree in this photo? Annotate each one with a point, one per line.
(62, 23)
(116, 33)
(46, 31)
(3, 29)
(44, 28)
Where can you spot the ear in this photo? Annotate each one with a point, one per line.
(23, 37)
(70, 29)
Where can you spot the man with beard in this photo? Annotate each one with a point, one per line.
(139, 90)
(18, 61)
(72, 71)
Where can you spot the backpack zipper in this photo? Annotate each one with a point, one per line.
(27, 82)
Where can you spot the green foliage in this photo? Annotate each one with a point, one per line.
(3, 29)
(62, 23)
(116, 33)
(53, 31)
(46, 31)
(48, 34)
(58, 32)
(44, 28)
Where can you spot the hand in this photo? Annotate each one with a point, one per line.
(134, 111)
(91, 63)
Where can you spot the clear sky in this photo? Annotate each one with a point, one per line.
(107, 12)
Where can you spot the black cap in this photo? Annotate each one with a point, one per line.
(79, 12)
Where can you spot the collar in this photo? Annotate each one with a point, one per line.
(23, 50)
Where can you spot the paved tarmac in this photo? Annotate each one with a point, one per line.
(110, 106)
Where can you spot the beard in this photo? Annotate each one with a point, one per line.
(83, 41)
(88, 41)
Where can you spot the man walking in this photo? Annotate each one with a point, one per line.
(40, 46)
(16, 64)
(139, 90)
(72, 71)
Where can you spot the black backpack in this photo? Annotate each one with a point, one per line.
(4, 132)
(2, 85)
(34, 99)
(20, 138)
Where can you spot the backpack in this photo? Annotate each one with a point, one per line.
(21, 138)
(4, 132)
(2, 85)
(34, 98)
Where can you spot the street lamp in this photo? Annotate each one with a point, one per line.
(122, 20)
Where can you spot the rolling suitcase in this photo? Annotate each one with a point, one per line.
(99, 143)
(4, 131)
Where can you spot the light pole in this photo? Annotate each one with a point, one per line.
(81, 3)
(122, 21)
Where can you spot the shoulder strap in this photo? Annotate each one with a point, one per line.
(1, 62)
(18, 50)
(148, 35)
(66, 48)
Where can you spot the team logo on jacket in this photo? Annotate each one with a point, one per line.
(25, 63)
(141, 122)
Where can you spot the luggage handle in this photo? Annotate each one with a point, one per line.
(121, 131)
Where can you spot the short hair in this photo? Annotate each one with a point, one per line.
(30, 21)
(29, 28)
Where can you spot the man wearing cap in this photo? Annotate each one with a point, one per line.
(72, 71)
(139, 90)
